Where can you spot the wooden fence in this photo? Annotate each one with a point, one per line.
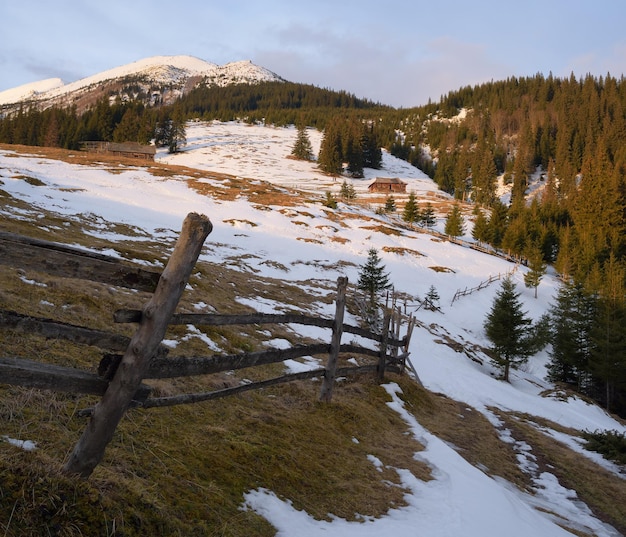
(127, 362)
(468, 291)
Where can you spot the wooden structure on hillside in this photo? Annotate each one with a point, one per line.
(124, 149)
(387, 185)
(128, 361)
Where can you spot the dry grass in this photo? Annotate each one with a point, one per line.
(184, 470)
(402, 251)
(602, 491)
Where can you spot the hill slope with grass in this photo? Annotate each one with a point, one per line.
(464, 453)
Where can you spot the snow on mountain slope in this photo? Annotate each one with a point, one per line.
(159, 70)
(30, 91)
(312, 246)
(260, 152)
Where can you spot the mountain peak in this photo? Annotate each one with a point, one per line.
(174, 75)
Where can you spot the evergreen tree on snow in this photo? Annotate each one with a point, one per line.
(509, 330)
(372, 276)
(302, 149)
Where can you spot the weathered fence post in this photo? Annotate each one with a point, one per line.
(382, 357)
(326, 393)
(156, 316)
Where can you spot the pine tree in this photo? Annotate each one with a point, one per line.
(372, 276)
(572, 318)
(330, 201)
(354, 156)
(432, 299)
(410, 212)
(509, 330)
(178, 136)
(170, 133)
(428, 216)
(347, 191)
(454, 222)
(390, 204)
(498, 222)
(608, 357)
(480, 231)
(302, 149)
(536, 268)
(372, 154)
(330, 159)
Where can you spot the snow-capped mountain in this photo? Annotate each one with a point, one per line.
(161, 79)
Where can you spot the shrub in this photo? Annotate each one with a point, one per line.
(610, 444)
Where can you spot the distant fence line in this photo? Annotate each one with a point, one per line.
(468, 291)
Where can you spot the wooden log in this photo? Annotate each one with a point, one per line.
(326, 392)
(382, 360)
(179, 366)
(303, 375)
(31, 374)
(57, 330)
(68, 262)
(28, 373)
(210, 319)
(207, 396)
(90, 448)
(174, 367)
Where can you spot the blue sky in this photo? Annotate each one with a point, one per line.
(396, 52)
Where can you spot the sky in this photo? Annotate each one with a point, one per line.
(292, 245)
(398, 52)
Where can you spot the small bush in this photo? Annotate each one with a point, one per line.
(330, 201)
(610, 444)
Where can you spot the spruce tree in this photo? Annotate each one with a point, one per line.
(608, 356)
(390, 204)
(572, 317)
(411, 213)
(536, 268)
(432, 299)
(170, 133)
(354, 157)
(302, 149)
(178, 135)
(481, 226)
(347, 191)
(372, 154)
(454, 222)
(330, 159)
(509, 330)
(498, 222)
(372, 276)
(330, 201)
(428, 216)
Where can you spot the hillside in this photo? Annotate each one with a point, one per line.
(466, 454)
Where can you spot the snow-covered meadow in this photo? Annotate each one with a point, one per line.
(298, 244)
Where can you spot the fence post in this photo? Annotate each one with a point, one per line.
(382, 357)
(326, 393)
(157, 313)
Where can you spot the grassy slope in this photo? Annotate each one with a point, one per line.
(184, 470)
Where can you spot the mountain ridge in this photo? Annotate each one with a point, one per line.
(167, 76)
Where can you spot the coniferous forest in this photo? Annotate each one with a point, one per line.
(569, 132)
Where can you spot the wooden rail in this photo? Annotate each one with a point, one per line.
(119, 377)
(69, 262)
(468, 291)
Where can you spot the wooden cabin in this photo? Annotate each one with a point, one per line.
(123, 149)
(387, 185)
